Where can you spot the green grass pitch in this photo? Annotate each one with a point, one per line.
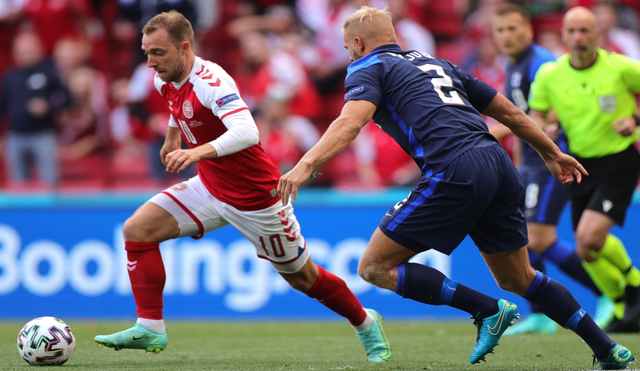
(315, 346)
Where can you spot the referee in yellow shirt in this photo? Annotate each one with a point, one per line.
(592, 92)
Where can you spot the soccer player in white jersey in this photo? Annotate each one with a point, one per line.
(236, 184)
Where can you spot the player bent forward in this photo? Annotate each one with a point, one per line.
(236, 184)
(469, 185)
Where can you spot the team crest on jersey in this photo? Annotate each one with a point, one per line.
(187, 109)
(607, 103)
(354, 91)
(179, 187)
(226, 99)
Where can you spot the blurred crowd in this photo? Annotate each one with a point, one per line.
(78, 109)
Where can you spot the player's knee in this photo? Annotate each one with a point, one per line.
(134, 231)
(588, 241)
(300, 281)
(368, 272)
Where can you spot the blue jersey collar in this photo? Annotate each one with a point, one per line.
(372, 58)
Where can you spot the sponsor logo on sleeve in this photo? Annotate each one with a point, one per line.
(354, 91)
(226, 99)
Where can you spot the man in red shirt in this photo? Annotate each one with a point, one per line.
(236, 184)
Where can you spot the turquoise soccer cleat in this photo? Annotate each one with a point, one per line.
(618, 359)
(490, 329)
(536, 323)
(375, 341)
(604, 312)
(136, 337)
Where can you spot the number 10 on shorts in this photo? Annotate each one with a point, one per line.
(276, 245)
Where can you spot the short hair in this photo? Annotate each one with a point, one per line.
(514, 8)
(178, 27)
(365, 11)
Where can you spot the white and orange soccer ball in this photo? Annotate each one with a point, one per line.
(46, 341)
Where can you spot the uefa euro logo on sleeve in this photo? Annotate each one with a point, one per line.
(607, 103)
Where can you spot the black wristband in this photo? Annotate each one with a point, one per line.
(637, 120)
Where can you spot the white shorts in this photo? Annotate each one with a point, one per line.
(274, 231)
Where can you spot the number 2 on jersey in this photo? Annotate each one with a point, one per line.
(439, 82)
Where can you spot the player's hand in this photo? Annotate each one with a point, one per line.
(179, 159)
(289, 183)
(625, 126)
(164, 151)
(565, 168)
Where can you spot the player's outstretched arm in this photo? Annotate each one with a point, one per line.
(562, 166)
(341, 132)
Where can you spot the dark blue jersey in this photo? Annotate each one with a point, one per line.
(519, 78)
(429, 106)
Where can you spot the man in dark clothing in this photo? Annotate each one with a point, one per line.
(30, 96)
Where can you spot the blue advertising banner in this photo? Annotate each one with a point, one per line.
(67, 259)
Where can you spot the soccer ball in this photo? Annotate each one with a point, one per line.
(46, 341)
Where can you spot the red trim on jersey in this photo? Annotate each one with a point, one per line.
(283, 263)
(232, 112)
(186, 210)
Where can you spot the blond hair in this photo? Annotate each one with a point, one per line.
(178, 27)
(363, 12)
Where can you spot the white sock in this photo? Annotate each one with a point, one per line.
(156, 325)
(364, 326)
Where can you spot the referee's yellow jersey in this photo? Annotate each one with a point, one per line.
(588, 101)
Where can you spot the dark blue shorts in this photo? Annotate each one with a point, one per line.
(544, 196)
(479, 194)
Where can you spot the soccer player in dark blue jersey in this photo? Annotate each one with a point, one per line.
(545, 196)
(469, 186)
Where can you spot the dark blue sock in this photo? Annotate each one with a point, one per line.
(562, 254)
(428, 285)
(537, 263)
(558, 304)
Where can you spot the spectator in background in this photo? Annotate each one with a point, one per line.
(489, 63)
(478, 23)
(411, 35)
(381, 161)
(325, 17)
(83, 125)
(551, 40)
(31, 96)
(54, 20)
(73, 55)
(151, 116)
(285, 137)
(9, 16)
(264, 70)
(134, 14)
(121, 133)
(70, 54)
(612, 37)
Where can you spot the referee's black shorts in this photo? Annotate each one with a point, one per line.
(609, 187)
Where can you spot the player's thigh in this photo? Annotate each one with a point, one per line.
(502, 225)
(195, 210)
(275, 233)
(150, 223)
(442, 210)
